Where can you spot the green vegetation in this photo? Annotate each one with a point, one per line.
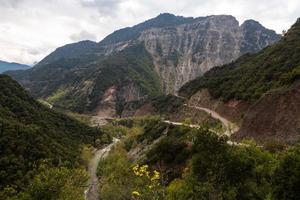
(133, 65)
(53, 184)
(167, 104)
(86, 119)
(31, 133)
(251, 76)
(119, 180)
(198, 164)
(57, 95)
(220, 171)
(77, 84)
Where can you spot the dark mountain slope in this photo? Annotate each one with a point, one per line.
(69, 51)
(132, 33)
(31, 132)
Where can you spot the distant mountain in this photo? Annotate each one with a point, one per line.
(265, 84)
(6, 66)
(176, 50)
(31, 133)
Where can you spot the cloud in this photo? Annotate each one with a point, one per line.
(10, 3)
(105, 7)
(31, 29)
(83, 35)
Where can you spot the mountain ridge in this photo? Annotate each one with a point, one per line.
(179, 48)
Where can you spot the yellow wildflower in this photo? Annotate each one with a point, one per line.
(136, 193)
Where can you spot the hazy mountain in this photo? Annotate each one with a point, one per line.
(6, 66)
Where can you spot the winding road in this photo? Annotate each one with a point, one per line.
(91, 192)
(229, 126)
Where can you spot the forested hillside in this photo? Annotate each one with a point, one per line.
(31, 133)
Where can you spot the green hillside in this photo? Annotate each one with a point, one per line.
(31, 133)
(78, 84)
(252, 75)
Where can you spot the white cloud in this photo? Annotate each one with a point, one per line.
(31, 29)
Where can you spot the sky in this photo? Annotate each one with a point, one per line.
(31, 29)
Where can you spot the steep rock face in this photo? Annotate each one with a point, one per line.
(255, 36)
(187, 49)
(183, 52)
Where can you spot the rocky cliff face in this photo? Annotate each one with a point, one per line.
(186, 51)
(183, 51)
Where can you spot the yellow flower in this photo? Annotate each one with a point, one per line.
(155, 176)
(136, 193)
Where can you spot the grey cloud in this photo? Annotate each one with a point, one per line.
(36, 51)
(105, 7)
(83, 35)
(10, 3)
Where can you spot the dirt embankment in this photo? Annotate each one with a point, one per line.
(232, 110)
(276, 116)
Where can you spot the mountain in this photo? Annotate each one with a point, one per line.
(31, 133)
(69, 51)
(163, 53)
(6, 66)
(264, 86)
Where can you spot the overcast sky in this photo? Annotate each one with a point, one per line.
(31, 29)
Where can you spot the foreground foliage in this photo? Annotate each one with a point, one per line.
(31, 133)
(53, 184)
(197, 164)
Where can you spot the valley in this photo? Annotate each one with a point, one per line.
(172, 108)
